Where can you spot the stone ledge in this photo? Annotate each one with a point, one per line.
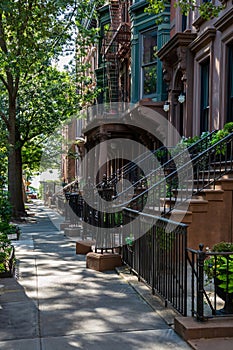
(103, 262)
(188, 328)
(213, 344)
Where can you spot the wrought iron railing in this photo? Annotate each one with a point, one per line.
(131, 170)
(154, 162)
(158, 258)
(186, 179)
(161, 197)
(166, 161)
(211, 283)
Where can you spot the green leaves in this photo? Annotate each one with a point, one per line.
(156, 6)
(226, 278)
(220, 267)
(207, 9)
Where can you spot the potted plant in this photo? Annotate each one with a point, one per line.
(11, 231)
(130, 242)
(220, 269)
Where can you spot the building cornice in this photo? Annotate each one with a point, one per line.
(224, 21)
(202, 40)
(179, 39)
(138, 6)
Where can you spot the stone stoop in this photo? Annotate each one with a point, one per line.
(206, 335)
(209, 207)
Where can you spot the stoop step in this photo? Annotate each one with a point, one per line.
(213, 344)
(189, 329)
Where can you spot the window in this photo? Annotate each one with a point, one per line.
(149, 62)
(184, 22)
(230, 85)
(204, 120)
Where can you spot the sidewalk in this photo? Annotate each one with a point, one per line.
(56, 303)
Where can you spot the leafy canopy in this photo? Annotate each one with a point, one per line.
(207, 9)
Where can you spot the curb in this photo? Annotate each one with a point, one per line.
(167, 313)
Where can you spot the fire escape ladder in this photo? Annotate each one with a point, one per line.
(115, 14)
(116, 46)
(113, 75)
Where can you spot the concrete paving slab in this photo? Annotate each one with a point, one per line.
(23, 245)
(18, 320)
(128, 302)
(21, 344)
(73, 291)
(68, 314)
(12, 291)
(135, 340)
(99, 320)
(13, 295)
(82, 281)
(26, 267)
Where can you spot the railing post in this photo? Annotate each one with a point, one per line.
(67, 212)
(200, 283)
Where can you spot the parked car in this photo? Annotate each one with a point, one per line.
(31, 194)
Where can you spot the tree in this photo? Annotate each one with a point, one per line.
(32, 33)
(45, 104)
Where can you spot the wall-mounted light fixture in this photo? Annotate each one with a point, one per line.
(166, 106)
(80, 140)
(181, 97)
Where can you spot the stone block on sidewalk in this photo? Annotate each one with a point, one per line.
(103, 262)
(72, 231)
(84, 247)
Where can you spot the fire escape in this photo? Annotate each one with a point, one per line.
(116, 50)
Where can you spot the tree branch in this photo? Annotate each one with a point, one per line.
(4, 118)
(4, 82)
(2, 36)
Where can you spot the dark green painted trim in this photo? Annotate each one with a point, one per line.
(142, 21)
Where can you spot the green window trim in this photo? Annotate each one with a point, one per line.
(148, 62)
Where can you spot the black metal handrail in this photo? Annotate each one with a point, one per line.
(162, 153)
(178, 156)
(189, 179)
(160, 196)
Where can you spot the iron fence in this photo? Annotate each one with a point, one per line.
(158, 257)
(211, 283)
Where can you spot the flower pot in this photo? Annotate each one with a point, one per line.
(227, 297)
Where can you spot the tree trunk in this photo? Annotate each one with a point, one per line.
(15, 166)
